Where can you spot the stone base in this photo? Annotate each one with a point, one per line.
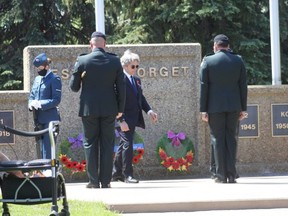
(154, 173)
(74, 177)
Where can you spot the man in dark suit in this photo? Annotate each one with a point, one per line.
(223, 100)
(102, 99)
(132, 117)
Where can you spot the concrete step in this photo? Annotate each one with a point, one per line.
(188, 194)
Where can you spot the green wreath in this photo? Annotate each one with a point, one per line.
(175, 151)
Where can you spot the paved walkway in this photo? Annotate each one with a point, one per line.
(189, 195)
(250, 212)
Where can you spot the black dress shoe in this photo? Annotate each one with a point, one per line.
(231, 179)
(91, 185)
(218, 180)
(130, 179)
(105, 186)
(118, 178)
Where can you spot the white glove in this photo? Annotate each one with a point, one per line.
(36, 104)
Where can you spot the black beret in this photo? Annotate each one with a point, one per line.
(98, 34)
(221, 38)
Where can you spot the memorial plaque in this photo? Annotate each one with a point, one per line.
(279, 120)
(249, 126)
(6, 118)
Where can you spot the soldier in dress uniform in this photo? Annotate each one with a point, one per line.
(223, 101)
(100, 77)
(44, 99)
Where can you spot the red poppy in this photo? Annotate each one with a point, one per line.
(170, 159)
(163, 155)
(69, 165)
(166, 164)
(80, 168)
(63, 158)
(74, 164)
(180, 160)
(175, 165)
(189, 158)
(83, 162)
(135, 160)
(138, 83)
(140, 151)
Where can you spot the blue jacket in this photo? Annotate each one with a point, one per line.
(48, 91)
(135, 104)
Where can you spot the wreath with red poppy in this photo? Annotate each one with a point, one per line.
(175, 151)
(138, 153)
(74, 166)
(72, 154)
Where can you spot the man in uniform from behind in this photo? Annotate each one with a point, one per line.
(223, 100)
(102, 99)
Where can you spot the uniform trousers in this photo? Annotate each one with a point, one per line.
(224, 135)
(99, 147)
(45, 144)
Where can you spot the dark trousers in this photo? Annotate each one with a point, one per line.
(212, 160)
(124, 154)
(99, 147)
(224, 135)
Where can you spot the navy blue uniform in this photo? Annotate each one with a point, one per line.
(47, 90)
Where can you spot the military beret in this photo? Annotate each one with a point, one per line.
(221, 38)
(98, 34)
(40, 60)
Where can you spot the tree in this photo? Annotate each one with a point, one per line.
(37, 22)
(246, 22)
(175, 21)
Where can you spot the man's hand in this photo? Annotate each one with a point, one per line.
(119, 115)
(204, 116)
(242, 115)
(153, 116)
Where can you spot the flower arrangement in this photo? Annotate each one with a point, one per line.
(138, 152)
(72, 154)
(138, 147)
(175, 151)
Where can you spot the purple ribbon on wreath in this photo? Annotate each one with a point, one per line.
(176, 137)
(76, 142)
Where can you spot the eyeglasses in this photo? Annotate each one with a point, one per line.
(134, 66)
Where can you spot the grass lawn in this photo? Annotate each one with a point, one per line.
(76, 208)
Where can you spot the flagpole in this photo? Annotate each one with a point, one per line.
(99, 16)
(275, 42)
